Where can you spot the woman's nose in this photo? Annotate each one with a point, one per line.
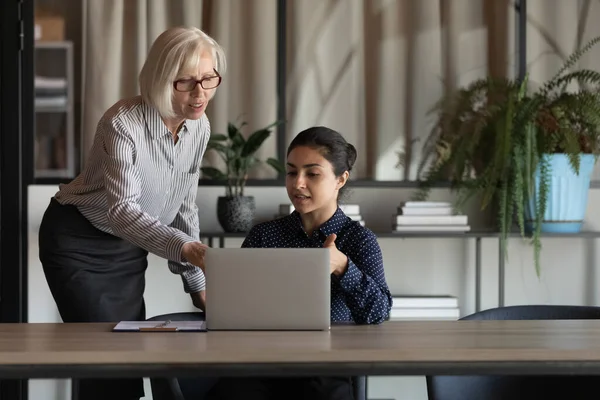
(197, 92)
(300, 182)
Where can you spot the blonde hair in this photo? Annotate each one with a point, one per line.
(173, 51)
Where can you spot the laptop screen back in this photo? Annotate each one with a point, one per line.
(268, 289)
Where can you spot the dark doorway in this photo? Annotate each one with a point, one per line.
(16, 111)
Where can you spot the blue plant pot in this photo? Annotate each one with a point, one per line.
(567, 195)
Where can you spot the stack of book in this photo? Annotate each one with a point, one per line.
(284, 209)
(351, 210)
(428, 216)
(406, 308)
(50, 92)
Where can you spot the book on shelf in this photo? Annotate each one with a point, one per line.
(354, 217)
(431, 220)
(426, 204)
(430, 228)
(424, 301)
(51, 101)
(285, 209)
(350, 209)
(425, 210)
(424, 313)
(421, 216)
(424, 308)
(49, 83)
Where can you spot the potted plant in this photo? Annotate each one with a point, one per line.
(235, 211)
(515, 148)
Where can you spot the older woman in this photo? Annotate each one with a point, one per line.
(135, 195)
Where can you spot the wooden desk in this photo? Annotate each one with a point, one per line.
(393, 348)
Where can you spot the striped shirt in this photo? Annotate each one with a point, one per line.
(141, 186)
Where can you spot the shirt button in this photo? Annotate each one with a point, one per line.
(170, 167)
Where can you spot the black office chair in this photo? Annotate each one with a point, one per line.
(198, 388)
(519, 387)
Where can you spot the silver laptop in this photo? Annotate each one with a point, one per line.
(267, 289)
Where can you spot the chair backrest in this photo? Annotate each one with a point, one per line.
(198, 388)
(517, 387)
(536, 312)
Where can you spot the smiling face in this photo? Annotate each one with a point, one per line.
(192, 104)
(311, 183)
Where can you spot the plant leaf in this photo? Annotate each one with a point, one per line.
(254, 142)
(213, 173)
(276, 164)
(218, 137)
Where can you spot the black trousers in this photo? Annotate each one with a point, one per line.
(93, 277)
(315, 388)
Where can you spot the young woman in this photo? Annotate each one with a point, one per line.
(136, 194)
(319, 161)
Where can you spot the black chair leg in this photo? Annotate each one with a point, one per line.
(74, 389)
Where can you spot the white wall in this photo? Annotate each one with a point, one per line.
(424, 266)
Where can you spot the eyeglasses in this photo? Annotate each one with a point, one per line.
(208, 82)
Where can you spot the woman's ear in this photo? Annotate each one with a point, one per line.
(342, 179)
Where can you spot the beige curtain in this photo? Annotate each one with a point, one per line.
(556, 29)
(247, 31)
(368, 68)
(372, 68)
(116, 37)
(118, 33)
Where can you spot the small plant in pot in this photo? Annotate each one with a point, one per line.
(529, 153)
(235, 211)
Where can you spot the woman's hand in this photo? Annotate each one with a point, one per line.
(193, 252)
(199, 299)
(338, 261)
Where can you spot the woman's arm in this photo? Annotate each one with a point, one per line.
(187, 221)
(252, 239)
(199, 300)
(123, 190)
(366, 292)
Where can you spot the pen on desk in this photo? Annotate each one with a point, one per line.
(162, 327)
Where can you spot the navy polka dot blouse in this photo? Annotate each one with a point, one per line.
(361, 294)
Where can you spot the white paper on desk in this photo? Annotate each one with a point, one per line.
(182, 326)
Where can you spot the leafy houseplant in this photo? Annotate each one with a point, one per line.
(235, 211)
(496, 139)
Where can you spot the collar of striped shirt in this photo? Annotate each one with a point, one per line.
(155, 125)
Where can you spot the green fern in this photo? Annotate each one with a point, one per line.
(492, 137)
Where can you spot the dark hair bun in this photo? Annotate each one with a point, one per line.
(351, 156)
